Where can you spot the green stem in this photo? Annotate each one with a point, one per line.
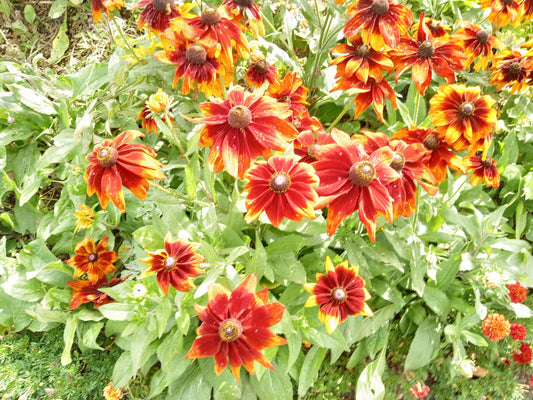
(287, 45)
(348, 106)
(454, 193)
(417, 106)
(184, 198)
(417, 203)
(125, 39)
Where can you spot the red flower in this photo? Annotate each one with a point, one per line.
(174, 265)
(282, 187)
(420, 391)
(426, 56)
(496, 327)
(291, 90)
(483, 170)
(118, 162)
(106, 5)
(352, 180)
(476, 42)
(436, 28)
(235, 326)
(382, 22)
(518, 331)
(243, 127)
(339, 293)
(261, 71)
(525, 356)
(307, 143)
(510, 69)
(93, 260)
(517, 292)
(88, 292)
(157, 14)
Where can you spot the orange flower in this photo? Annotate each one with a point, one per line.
(93, 260)
(382, 22)
(526, 10)
(106, 5)
(351, 180)
(118, 162)
(510, 69)
(88, 292)
(157, 14)
(246, 14)
(483, 170)
(435, 27)
(174, 265)
(235, 327)
(291, 90)
(476, 42)
(157, 104)
(360, 60)
(462, 116)
(282, 187)
(85, 218)
(517, 292)
(307, 143)
(243, 127)
(339, 293)
(111, 393)
(261, 71)
(502, 12)
(426, 56)
(496, 327)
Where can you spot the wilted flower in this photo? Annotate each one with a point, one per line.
(235, 327)
(308, 142)
(518, 331)
(291, 90)
(496, 327)
(111, 393)
(156, 105)
(517, 292)
(93, 259)
(246, 14)
(525, 355)
(85, 217)
(88, 292)
(492, 279)
(420, 391)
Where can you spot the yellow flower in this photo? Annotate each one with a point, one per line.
(111, 393)
(85, 217)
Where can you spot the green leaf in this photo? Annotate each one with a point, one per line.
(286, 244)
(425, 342)
(60, 43)
(90, 333)
(149, 238)
(474, 338)
(192, 172)
(58, 8)
(123, 371)
(369, 384)
(162, 314)
(309, 371)
(274, 385)
(294, 342)
(191, 385)
(258, 263)
(117, 311)
(24, 289)
(360, 330)
(437, 300)
(32, 99)
(68, 337)
(29, 13)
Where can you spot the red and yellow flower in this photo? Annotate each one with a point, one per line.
(427, 55)
(157, 104)
(235, 327)
(88, 292)
(244, 126)
(483, 170)
(339, 293)
(246, 14)
(111, 393)
(503, 12)
(352, 180)
(510, 70)
(382, 22)
(93, 259)
(435, 27)
(518, 331)
(283, 188)
(85, 218)
(476, 42)
(496, 327)
(291, 90)
(308, 142)
(517, 292)
(157, 14)
(174, 265)
(261, 71)
(118, 162)
(97, 6)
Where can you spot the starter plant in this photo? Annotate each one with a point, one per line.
(279, 186)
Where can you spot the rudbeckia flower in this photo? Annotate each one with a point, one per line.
(483, 170)
(93, 259)
(174, 265)
(382, 22)
(283, 188)
(88, 292)
(85, 218)
(436, 28)
(339, 293)
(496, 327)
(517, 292)
(157, 14)
(518, 331)
(510, 69)
(291, 90)
(261, 71)
(525, 355)
(526, 12)
(462, 116)
(360, 60)
(106, 5)
(502, 12)
(427, 55)
(118, 162)
(476, 42)
(352, 180)
(308, 142)
(246, 14)
(157, 104)
(242, 127)
(235, 327)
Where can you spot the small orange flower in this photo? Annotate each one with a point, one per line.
(235, 327)
(174, 265)
(292, 91)
(106, 5)
(517, 292)
(93, 259)
(339, 293)
(246, 14)
(261, 71)
(496, 327)
(283, 188)
(118, 162)
(111, 393)
(382, 22)
(510, 69)
(157, 104)
(483, 170)
(502, 12)
(476, 42)
(157, 14)
(85, 218)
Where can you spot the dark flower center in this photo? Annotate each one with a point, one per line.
(285, 98)
(107, 156)
(482, 36)
(466, 109)
(338, 295)
(230, 330)
(431, 142)
(210, 16)
(297, 122)
(279, 182)
(363, 50)
(170, 263)
(486, 163)
(163, 6)
(311, 150)
(244, 3)
(508, 2)
(362, 173)
(261, 67)
(239, 117)
(380, 7)
(398, 161)
(426, 49)
(434, 26)
(515, 68)
(196, 54)
(92, 257)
